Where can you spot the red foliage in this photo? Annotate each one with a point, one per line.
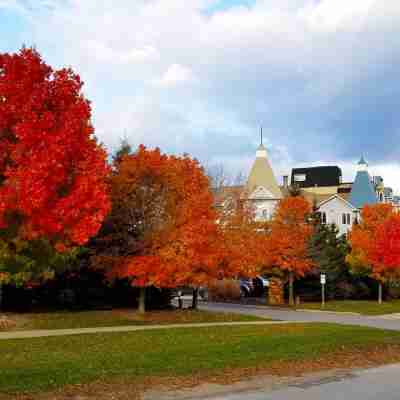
(52, 171)
(385, 254)
(365, 240)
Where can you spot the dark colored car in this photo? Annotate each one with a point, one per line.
(255, 287)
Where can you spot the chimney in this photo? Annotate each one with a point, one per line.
(285, 181)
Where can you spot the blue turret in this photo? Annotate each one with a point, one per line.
(362, 191)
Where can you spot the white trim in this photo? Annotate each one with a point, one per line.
(337, 197)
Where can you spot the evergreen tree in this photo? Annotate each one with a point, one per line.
(328, 251)
(123, 150)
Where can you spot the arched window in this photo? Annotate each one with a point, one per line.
(265, 214)
(346, 219)
(323, 218)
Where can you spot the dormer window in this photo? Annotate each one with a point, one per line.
(300, 177)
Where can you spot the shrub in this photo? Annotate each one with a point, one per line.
(224, 290)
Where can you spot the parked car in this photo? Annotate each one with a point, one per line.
(246, 287)
(255, 287)
(260, 286)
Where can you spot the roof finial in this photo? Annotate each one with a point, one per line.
(261, 136)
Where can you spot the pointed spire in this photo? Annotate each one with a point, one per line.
(362, 164)
(261, 174)
(362, 161)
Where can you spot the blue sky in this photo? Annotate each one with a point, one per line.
(201, 76)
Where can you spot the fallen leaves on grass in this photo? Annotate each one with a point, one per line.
(132, 389)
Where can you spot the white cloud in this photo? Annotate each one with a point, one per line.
(331, 15)
(175, 75)
(291, 65)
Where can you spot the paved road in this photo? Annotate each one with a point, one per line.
(379, 383)
(309, 316)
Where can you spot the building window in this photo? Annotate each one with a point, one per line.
(300, 177)
(265, 214)
(323, 218)
(346, 219)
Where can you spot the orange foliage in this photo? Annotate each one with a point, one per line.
(289, 237)
(242, 249)
(365, 240)
(169, 207)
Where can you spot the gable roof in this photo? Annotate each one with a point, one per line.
(261, 175)
(337, 196)
(362, 191)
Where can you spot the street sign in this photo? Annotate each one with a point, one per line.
(323, 282)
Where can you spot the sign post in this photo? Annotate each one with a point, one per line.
(323, 282)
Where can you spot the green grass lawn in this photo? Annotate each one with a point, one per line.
(41, 364)
(357, 306)
(89, 319)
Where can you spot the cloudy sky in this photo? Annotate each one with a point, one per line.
(201, 76)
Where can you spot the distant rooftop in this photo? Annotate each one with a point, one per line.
(316, 176)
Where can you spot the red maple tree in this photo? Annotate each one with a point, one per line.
(385, 255)
(52, 170)
(366, 255)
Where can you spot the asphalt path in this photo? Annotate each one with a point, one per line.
(282, 314)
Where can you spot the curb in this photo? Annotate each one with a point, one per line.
(287, 309)
(331, 312)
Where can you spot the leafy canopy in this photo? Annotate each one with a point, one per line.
(52, 170)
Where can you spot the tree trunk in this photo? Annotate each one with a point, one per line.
(380, 292)
(291, 291)
(195, 299)
(142, 300)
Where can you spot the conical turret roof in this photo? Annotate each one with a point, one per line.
(261, 175)
(362, 191)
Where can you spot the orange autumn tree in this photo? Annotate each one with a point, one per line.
(243, 242)
(193, 251)
(363, 240)
(162, 213)
(289, 240)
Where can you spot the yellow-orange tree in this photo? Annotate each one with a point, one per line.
(162, 229)
(289, 238)
(363, 240)
(243, 242)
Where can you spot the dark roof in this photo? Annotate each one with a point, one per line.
(317, 176)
